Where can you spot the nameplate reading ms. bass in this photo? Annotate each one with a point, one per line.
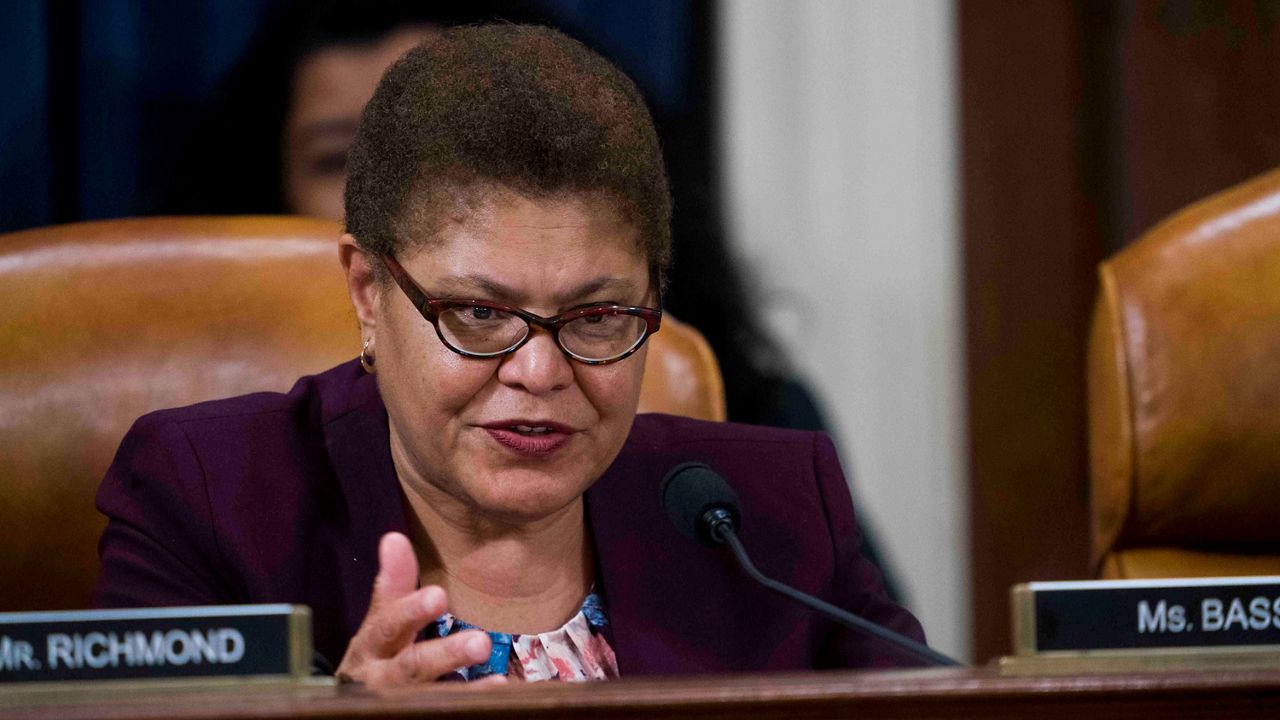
(1233, 612)
(152, 643)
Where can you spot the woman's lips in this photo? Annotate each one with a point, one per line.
(545, 441)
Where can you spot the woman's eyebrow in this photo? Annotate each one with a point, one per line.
(463, 284)
(620, 286)
(472, 282)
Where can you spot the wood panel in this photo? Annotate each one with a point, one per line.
(1198, 102)
(940, 693)
(1031, 242)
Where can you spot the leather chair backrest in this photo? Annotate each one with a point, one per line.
(104, 321)
(1184, 393)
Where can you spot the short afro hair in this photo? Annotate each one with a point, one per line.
(523, 107)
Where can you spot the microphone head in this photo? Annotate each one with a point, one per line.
(690, 491)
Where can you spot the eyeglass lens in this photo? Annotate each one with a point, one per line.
(489, 331)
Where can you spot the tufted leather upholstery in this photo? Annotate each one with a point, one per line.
(1184, 393)
(101, 322)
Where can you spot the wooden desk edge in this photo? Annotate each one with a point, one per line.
(939, 693)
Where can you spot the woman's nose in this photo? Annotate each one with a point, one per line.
(538, 367)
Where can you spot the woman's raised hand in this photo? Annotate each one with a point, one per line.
(383, 654)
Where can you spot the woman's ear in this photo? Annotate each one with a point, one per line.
(362, 282)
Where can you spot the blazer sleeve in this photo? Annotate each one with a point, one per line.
(159, 547)
(857, 585)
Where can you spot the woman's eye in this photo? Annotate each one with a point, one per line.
(482, 313)
(599, 325)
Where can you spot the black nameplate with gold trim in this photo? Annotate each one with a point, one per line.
(1241, 612)
(154, 643)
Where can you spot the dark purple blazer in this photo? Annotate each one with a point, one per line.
(282, 498)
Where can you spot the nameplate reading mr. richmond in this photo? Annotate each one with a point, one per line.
(153, 643)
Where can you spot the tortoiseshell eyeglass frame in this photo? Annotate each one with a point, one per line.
(430, 308)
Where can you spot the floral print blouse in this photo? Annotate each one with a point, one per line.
(576, 651)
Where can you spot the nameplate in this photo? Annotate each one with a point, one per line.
(1140, 615)
(155, 643)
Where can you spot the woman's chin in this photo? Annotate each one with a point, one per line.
(520, 498)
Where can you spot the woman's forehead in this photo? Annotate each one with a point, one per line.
(517, 247)
(496, 221)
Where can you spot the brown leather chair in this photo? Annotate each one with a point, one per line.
(1184, 394)
(101, 322)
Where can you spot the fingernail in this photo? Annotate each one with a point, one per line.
(431, 598)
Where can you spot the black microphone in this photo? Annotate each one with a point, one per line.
(704, 507)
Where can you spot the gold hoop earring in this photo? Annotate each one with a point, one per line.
(366, 358)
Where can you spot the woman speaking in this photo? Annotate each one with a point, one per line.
(475, 496)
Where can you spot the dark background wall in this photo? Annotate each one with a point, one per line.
(99, 98)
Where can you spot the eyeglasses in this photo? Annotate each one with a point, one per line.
(594, 334)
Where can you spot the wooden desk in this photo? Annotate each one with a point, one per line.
(971, 693)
